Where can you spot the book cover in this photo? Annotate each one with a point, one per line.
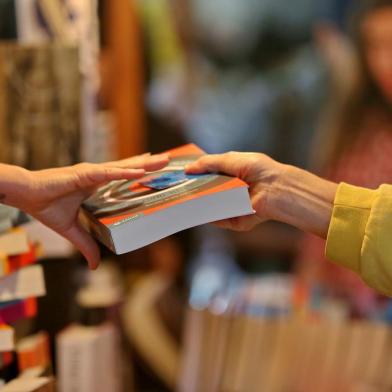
(126, 215)
(14, 242)
(7, 338)
(33, 352)
(12, 311)
(25, 283)
(10, 264)
(88, 359)
(38, 384)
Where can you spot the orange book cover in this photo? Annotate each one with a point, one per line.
(168, 197)
(17, 262)
(33, 351)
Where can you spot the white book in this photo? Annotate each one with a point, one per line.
(127, 215)
(14, 242)
(24, 283)
(88, 359)
(7, 338)
(40, 384)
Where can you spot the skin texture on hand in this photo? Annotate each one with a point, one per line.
(278, 192)
(54, 196)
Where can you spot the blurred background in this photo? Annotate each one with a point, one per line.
(308, 82)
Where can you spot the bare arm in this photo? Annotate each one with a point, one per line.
(278, 192)
(54, 196)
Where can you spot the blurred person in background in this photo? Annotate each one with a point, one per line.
(251, 76)
(232, 75)
(355, 145)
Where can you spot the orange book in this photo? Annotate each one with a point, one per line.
(13, 263)
(127, 215)
(33, 351)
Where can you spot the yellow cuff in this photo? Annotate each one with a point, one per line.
(347, 228)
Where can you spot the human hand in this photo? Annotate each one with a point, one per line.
(259, 171)
(54, 196)
(278, 192)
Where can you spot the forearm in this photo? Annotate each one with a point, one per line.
(303, 200)
(14, 185)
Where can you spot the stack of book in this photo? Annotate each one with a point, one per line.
(238, 353)
(272, 334)
(21, 282)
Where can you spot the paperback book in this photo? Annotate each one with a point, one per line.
(127, 215)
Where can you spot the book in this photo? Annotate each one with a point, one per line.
(14, 242)
(238, 352)
(53, 244)
(7, 338)
(33, 352)
(87, 359)
(25, 283)
(127, 215)
(21, 384)
(57, 67)
(10, 264)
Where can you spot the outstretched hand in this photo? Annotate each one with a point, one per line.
(257, 170)
(54, 196)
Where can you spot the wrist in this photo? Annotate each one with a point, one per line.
(15, 185)
(302, 199)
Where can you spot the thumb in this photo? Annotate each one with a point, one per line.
(228, 163)
(84, 243)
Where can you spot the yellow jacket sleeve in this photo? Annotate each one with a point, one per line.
(360, 234)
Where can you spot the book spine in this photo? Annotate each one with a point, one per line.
(19, 261)
(18, 310)
(36, 354)
(7, 338)
(76, 365)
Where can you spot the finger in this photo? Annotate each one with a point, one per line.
(84, 243)
(242, 223)
(225, 163)
(156, 162)
(147, 162)
(131, 161)
(95, 175)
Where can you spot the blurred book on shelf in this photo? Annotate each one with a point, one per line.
(89, 357)
(21, 282)
(92, 349)
(14, 242)
(7, 338)
(39, 384)
(12, 311)
(127, 215)
(42, 81)
(24, 283)
(33, 354)
(258, 341)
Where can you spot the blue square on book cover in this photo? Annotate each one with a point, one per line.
(168, 180)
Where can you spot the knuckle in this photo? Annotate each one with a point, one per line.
(84, 167)
(231, 154)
